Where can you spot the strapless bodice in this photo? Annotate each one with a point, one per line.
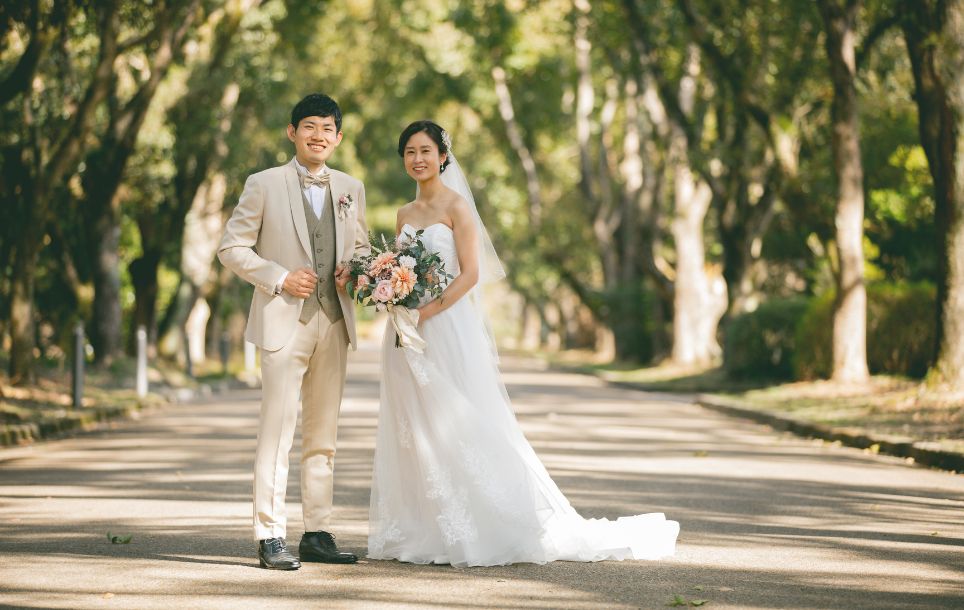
(438, 237)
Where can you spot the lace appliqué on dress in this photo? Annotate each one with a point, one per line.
(454, 520)
(419, 365)
(490, 486)
(383, 531)
(404, 431)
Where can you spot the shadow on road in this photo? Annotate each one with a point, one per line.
(767, 520)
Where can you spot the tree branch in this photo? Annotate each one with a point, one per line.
(877, 31)
(18, 80)
(71, 143)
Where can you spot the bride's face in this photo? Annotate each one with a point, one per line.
(422, 159)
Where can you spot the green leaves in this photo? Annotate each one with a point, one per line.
(119, 539)
(679, 600)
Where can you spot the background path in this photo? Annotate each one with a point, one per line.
(768, 520)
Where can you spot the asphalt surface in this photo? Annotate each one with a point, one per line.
(768, 520)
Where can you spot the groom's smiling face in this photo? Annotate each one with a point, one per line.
(315, 138)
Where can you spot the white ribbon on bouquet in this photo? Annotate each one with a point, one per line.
(405, 321)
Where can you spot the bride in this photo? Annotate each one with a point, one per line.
(455, 481)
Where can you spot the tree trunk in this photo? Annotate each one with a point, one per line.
(507, 112)
(106, 325)
(697, 305)
(736, 257)
(694, 339)
(932, 31)
(585, 96)
(22, 327)
(950, 356)
(143, 272)
(105, 177)
(850, 312)
(694, 329)
(202, 232)
(34, 190)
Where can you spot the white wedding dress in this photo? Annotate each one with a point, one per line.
(455, 481)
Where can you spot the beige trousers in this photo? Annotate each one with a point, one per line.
(307, 375)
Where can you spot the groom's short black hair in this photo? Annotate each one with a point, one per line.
(316, 104)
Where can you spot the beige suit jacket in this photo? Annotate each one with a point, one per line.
(267, 235)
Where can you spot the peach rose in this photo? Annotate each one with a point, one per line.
(383, 291)
(403, 280)
(383, 261)
(363, 280)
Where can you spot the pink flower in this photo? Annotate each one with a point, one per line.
(383, 261)
(403, 280)
(363, 280)
(344, 204)
(383, 291)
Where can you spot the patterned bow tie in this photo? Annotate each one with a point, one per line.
(311, 180)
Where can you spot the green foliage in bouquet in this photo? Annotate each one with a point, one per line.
(396, 275)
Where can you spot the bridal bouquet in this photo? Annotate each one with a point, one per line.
(394, 278)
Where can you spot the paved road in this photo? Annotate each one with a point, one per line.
(768, 521)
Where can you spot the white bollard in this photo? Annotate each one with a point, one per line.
(248, 357)
(141, 361)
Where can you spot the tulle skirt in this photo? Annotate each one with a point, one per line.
(455, 480)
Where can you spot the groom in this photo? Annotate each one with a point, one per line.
(291, 229)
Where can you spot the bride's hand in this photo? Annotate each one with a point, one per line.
(423, 314)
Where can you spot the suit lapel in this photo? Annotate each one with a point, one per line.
(295, 202)
(336, 189)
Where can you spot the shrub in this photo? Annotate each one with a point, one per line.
(900, 332)
(814, 339)
(760, 344)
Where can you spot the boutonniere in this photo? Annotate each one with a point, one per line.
(345, 203)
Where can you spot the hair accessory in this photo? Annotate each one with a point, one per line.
(447, 140)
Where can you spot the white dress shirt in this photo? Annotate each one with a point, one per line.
(316, 197)
(314, 193)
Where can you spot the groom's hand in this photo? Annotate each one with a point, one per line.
(301, 283)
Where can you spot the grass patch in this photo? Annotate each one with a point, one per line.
(887, 407)
(891, 408)
(665, 377)
(45, 408)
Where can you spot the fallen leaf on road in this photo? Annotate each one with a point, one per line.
(701, 453)
(697, 602)
(119, 539)
(108, 595)
(725, 589)
(678, 600)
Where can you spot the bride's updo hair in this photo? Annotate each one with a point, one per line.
(434, 131)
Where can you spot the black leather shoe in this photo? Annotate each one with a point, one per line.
(274, 555)
(320, 547)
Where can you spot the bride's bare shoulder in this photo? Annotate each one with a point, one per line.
(454, 200)
(402, 215)
(456, 205)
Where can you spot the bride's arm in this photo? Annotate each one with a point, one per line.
(467, 248)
